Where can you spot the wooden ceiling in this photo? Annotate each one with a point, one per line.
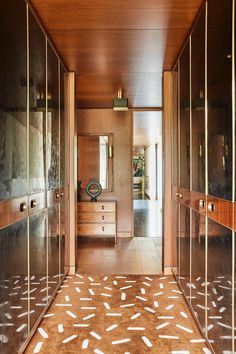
(112, 44)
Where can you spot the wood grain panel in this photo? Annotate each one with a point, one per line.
(10, 211)
(96, 217)
(98, 229)
(124, 38)
(106, 14)
(89, 207)
(223, 210)
(118, 123)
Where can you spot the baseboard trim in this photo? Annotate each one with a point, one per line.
(124, 234)
(168, 270)
(71, 270)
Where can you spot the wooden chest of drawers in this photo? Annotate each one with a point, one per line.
(97, 218)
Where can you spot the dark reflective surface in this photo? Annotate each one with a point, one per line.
(13, 100)
(62, 129)
(37, 147)
(220, 98)
(14, 313)
(198, 237)
(53, 248)
(53, 120)
(219, 287)
(184, 249)
(38, 265)
(198, 105)
(184, 145)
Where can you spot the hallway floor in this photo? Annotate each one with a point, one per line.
(137, 255)
(118, 314)
(147, 218)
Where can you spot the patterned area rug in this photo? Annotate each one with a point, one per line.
(118, 314)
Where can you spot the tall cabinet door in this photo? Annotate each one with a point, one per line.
(14, 301)
(53, 169)
(37, 171)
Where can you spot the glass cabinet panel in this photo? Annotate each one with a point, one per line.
(198, 237)
(38, 265)
(198, 104)
(53, 120)
(184, 143)
(37, 101)
(53, 248)
(184, 248)
(220, 98)
(13, 82)
(63, 130)
(14, 313)
(219, 286)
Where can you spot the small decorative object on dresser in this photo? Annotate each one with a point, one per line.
(93, 189)
(97, 219)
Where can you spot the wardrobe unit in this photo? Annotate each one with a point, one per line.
(33, 185)
(203, 178)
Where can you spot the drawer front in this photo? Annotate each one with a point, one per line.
(96, 207)
(97, 229)
(96, 217)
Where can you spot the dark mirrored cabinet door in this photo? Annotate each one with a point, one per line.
(198, 104)
(184, 118)
(219, 86)
(14, 286)
(53, 248)
(219, 286)
(198, 254)
(184, 249)
(38, 265)
(37, 102)
(13, 83)
(53, 154)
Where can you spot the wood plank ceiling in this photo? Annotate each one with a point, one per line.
(112, 44)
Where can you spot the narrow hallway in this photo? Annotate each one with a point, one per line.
(118, 314)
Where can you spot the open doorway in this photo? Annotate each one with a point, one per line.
(147, 177)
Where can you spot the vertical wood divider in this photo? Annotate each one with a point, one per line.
(169, 242)
(71, 168)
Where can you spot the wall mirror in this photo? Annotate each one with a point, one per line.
(95, 160)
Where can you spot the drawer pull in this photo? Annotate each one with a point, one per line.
(103, 217)
(62, 194)
(102, 207)
(57, 195)
(210, 207)
(201, 203)
(33, 203)
(23, 207)
(103, 228)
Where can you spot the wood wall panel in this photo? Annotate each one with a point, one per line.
(119, 124)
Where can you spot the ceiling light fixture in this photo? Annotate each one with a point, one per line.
(120, 103)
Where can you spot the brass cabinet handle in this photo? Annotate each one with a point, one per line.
(210, 207)
(103, 217)
(33, 203)
(102, 207)
(23, 207)
(201, 203)
(57, 195)
(62, 194)
(181, 195)
(177, 194)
